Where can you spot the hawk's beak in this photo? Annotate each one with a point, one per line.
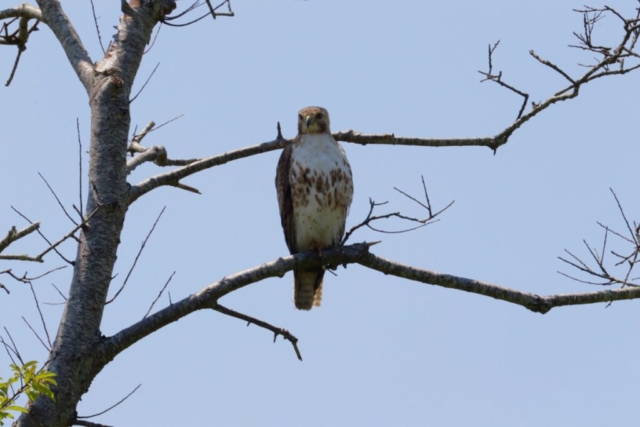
(308, 120)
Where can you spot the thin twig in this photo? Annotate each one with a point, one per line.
(110, 407)
(145, 83)
(135, 261)
(57, 199)
(36, 334)
(95, 20)
(431, 218)
(45, 239)
(44, 324)
(15, 347)
(276, 331)
(626, 221)
(153, 42)
(61, 294)
(80, 156)
(159, 294)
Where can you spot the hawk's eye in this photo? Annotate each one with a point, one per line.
(300, 117)
(319, 116)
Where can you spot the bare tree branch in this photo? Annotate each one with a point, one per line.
(86, 423)
(14, 235)
(276, 331)
(626, 262)
(80, 210)
(44, 324)
(357, 253)
(174, 176)
(145, 83)
(109, 408)
(52, 246)
(135, 261)
(212, 11)
(57, 199)
(36, 334)
(159, 294)
(23, 14)
(57, 20)
(95, 21)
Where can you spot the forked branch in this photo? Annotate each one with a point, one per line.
(429, 219)
(52, 246)
(611, 62)
(603, 271)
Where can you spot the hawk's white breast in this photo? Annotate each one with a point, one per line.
(322, 190)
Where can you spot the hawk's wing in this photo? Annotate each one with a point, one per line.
(285, 201)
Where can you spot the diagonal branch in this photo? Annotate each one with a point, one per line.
(173, 177)
(52, 246)
(14, 235)
(357, 253)
(57, 20)
(276, 331)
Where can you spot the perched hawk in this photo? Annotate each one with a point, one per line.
(314, 193)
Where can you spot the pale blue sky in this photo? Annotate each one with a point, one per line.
(380, 351)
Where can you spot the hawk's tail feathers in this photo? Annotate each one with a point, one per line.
(307, 288)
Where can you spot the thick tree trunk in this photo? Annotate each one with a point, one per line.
(75, 356)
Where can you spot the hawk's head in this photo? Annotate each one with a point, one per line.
(313, 120)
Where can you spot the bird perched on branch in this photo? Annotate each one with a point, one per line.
(315, 189)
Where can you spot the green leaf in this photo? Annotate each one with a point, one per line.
(42, 389)
(31, 395)
(16, 408)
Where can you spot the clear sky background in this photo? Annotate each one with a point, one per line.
(380, 351)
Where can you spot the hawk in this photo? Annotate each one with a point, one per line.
(315, 189)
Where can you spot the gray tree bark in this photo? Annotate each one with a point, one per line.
(108, 84)
(79, 351)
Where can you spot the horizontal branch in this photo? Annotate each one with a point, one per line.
(357, 253)
(391, 139)
(23, 11)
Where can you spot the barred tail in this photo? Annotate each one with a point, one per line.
(307, 288)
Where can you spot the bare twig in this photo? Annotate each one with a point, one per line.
(497, 78)
(60, 293)
(370, 218)
(276, 331)
(36, 334)
(95, 21)
(13, 348)
(145, 83)
(52, 246)
(135, 261)
(601, 271)
(109, 408)
(27, 280)
(153, 42)
(80, 210)
(44, 324)
(57, 199)
(159, 294)
(212, 11)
